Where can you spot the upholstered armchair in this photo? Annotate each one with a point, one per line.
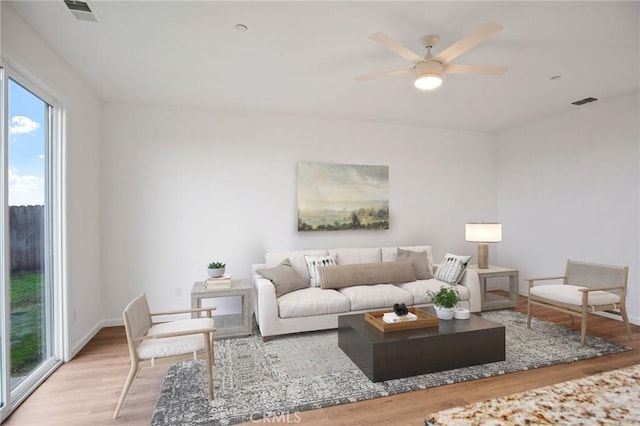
(177, 340)
(585, 288)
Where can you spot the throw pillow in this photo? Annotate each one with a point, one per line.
(419, 261)
(340, 276)
(452, 268)
(284, 278)
(312, 266)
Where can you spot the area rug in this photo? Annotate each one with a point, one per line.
(611, 398)
(306, 371)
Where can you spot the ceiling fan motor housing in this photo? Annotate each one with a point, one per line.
(428, 68)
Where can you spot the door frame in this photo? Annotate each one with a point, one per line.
(55, 244)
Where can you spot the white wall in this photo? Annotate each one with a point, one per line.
(182, 187)
(26, 50)
(569, 188)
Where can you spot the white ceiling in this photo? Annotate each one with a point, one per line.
(301, 57)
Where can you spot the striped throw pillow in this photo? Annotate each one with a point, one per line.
(452, 268)
(312, 266)
(340, 276)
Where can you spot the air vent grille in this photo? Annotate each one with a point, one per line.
(81, 10)
(78, 5)
(584, 101)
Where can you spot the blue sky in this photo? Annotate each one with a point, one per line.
(26, 146)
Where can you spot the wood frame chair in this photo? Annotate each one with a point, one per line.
(171, 341)
(586, 287)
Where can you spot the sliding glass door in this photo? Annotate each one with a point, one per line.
(30, 336)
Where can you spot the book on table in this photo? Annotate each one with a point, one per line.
(219, 282)
(391, 317)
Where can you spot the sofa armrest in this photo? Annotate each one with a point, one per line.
(265, 303)
(471, 280)
(254, 276)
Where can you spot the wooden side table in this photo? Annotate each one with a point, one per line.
(231, 325)
(489, 301)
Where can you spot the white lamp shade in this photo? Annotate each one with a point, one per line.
(483, 232)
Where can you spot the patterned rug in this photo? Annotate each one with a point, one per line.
(306, 371)
(611, 398)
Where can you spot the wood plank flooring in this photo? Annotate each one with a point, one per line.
(85, 391)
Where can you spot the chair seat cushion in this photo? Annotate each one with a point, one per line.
(571, 294)
(179, 345)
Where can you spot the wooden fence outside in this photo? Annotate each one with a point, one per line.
(26, 225)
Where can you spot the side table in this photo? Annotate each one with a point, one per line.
(489, 301)
(227, 325)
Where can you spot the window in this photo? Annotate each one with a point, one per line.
(30, 315)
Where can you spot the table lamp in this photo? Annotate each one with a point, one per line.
(483, 233)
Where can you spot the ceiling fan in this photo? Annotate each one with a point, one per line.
(429, 70)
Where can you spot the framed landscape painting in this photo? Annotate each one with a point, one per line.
(337, 197)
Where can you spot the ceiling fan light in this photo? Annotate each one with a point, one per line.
(428, 81)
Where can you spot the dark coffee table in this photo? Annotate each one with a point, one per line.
(392, 355)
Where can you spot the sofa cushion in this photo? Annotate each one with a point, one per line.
(284, 278)
(419, 261)
(295, 257)
(418, 290)
(376, 296)
(340, 276)
(312, 301)
(390, 254)
(313, 262)
(350, 256)
(452, 268)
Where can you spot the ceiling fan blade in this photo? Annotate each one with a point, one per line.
(474, 69)
(396, 47)
(384, 74)
(466, 43)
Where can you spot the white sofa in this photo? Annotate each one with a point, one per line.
(315, 308)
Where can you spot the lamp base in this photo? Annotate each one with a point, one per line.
(483, 256)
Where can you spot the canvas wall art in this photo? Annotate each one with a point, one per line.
(336, 197)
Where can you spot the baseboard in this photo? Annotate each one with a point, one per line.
(113, 322)
(90, 335)
(79, 345)
(632, 319)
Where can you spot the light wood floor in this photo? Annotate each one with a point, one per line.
(85, 390)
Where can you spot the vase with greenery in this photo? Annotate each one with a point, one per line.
(444, 300)
(216, 269)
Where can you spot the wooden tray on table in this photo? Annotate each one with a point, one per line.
(424, 320)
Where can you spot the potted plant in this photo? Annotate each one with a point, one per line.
(216, 269)
(444, 300)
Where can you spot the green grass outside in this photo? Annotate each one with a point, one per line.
(27, 322)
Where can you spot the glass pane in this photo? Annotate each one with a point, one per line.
(3, 373)
(29, 318)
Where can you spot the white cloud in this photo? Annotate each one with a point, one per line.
(21, 125)
(41, 156)
(25, 190)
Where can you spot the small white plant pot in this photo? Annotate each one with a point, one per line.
(461, 313)
(215, 272)
(444, 313)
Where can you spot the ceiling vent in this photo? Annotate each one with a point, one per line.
(81, 10)
(584, 101)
